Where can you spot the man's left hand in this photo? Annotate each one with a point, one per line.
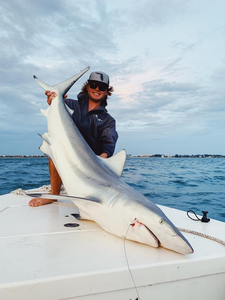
(104, 155)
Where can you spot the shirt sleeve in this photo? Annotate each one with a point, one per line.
(109, 137)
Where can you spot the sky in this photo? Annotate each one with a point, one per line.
(165, 59)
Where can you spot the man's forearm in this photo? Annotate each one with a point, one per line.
(54, 178)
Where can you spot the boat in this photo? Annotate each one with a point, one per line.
(47, 253)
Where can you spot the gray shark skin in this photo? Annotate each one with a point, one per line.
(110, 202)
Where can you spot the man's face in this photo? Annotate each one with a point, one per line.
(96, 92)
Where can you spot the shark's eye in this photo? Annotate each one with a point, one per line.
(161, 221)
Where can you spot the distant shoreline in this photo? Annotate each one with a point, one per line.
(130, 156)
(179, 156)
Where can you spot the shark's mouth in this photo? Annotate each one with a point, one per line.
(153, 235)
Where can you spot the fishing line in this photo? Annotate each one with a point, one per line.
(131, 275)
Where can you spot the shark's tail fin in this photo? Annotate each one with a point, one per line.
(43, 84)
(64, 86)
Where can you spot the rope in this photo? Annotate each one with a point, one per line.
(206, 236)
(41, 189)
(64, 204)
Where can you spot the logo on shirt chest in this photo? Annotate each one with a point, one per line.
(97, 118)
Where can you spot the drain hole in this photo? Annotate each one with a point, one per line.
(71, 225)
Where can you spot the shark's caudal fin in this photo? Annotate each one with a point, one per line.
(43, 84)
(116, 162)
(64, 86)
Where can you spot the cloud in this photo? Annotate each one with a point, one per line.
(172, 64)
(218, 76)
(159, 13)
(44, 33)
(48, 39)
(183, 46)
(175, 107)
(158, 94)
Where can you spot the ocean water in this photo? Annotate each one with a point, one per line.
(183, 183)
(24, 173)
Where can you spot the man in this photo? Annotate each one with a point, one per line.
(92, 119)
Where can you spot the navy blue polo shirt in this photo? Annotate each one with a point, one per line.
(96, 126)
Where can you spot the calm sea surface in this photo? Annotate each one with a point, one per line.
(183, 183)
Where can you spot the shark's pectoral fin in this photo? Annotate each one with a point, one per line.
(116, 162)
(64, 197)
(80, 202)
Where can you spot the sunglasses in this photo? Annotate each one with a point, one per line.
(102, 86)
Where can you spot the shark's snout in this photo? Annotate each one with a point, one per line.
(168, 237)
(181, 245)
(175, 241)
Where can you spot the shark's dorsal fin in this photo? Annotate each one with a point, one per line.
(116, 162)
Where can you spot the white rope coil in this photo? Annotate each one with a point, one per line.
(206, 236)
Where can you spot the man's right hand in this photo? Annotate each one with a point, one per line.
(51, 96)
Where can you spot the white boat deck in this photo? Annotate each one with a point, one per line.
(40, 258)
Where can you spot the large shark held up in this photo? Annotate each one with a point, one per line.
(94, 184)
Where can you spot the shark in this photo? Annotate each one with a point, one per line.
(94, 184)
